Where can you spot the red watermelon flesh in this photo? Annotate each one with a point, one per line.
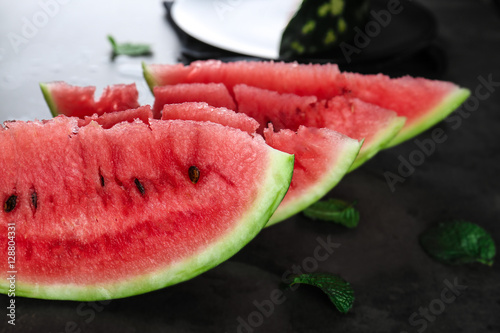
(282, 110)
(108, 213)
(423, 102)
(75, 101)
(349, 116)
(205, 112)
(109, 119)
(215, 94)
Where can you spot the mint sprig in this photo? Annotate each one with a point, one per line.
(130, 49)
(459, 242)
(338, 211)
(338, 290)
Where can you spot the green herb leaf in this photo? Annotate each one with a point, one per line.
(459, 242)
(334, 210)
(130, 49)
(338, 290)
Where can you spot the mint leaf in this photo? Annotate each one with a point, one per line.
(334, 210)
(130, 49)
(338, 290)
(459, 242)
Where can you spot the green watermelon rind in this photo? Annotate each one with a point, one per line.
(330, 179)
(48, 98)
(379, 142)
(149, 77)
(271, 193)
(431, 117)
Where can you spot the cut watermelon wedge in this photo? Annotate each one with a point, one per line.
(109, 213)
(422, 102)
(362, 121)
(322, 156)
(75, 101)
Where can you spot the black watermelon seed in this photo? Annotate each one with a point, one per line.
(194, 174)
(34, 200)
(101, 177)
(10, 204)
(139, 186)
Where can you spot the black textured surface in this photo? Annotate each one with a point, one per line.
(392, 276)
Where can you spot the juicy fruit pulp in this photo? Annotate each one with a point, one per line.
(205, 112)
(108, 213)
(215, 94)
(109, 119)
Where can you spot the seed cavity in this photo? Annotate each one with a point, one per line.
(101, 177)
(194, 174)
(119, 183)
(140, 187)
(10, 204)
(34, 199)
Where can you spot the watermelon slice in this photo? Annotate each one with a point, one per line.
(109, 213)
(350, 116)
(322, 156)
(215, 94)
(74, 101)
(422, 102)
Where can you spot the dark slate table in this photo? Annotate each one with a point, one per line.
(398, 287)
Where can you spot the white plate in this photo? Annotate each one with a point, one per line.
(251, 27)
